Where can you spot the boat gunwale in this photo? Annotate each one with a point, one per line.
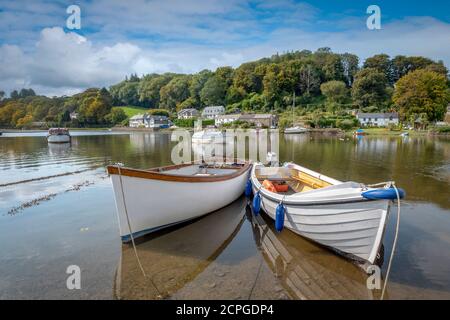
(290, 200)
(153, 174)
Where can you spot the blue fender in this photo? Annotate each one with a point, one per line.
(248, 188)
(257, 203)
(279, 217)
(383, 193)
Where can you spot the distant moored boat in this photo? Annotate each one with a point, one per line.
(296, 129)
(58, 135)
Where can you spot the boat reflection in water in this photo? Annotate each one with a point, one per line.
(181, 262)
(175, 256)
(306, 270)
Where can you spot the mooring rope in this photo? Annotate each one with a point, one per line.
(256, 278)
(131, 232)
(394, 244)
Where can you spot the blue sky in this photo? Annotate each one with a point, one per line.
(121, 37)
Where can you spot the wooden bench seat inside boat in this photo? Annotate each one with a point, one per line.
(298, 181)
(199, 169)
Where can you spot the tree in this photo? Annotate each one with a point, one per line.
(350, 67)
(382, 63)
(271, 83)
(422, 91)
(188, 103)
(335, 91)
(128, 93)
(2, 95)
(175, 92)
(116, 116)
(225, 74)
(26, 93)
(25, 121)
(401, 65)
(93, 105)
(197, 83)
(333, 68)
(150, 87)
(213, 92)
(14, 94)
(63, 117)
(369, 88)
(309, 79)
(247, 79)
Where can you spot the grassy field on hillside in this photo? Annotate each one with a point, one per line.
(131, 110)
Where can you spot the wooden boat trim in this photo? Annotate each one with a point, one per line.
(158, 174)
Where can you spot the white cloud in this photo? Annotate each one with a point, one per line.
(185, 36)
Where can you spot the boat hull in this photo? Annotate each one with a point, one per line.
(354, 229)
(60, 138)
(156, 204)
(293, 131)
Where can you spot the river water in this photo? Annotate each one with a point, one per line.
(57, 209)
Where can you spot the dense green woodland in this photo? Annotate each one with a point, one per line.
(324, 84)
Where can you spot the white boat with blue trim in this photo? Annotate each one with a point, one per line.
(348, 217)
(153, 199)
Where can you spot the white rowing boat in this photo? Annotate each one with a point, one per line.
(348, 217)
(149, 200)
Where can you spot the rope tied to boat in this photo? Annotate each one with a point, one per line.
(386, 194)
(119, 165)
(394, 243)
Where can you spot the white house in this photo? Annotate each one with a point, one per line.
(73, 115)
(136, 121)
(226, 118)
(148, 121)
(154, 121)
(212, 112)
(188, 113)
(377, 119)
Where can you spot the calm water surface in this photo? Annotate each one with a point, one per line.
(57, 209)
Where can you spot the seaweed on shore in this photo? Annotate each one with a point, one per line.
(34, 202)
(37, 201)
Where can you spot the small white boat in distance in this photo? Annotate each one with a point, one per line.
(208, 136)
(150, 200)
(345, 216)
(296, 129)
(58, 135)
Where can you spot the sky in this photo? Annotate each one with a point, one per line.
(119, 37)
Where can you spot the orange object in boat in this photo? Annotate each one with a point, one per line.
(281, 187)
(269, 186)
